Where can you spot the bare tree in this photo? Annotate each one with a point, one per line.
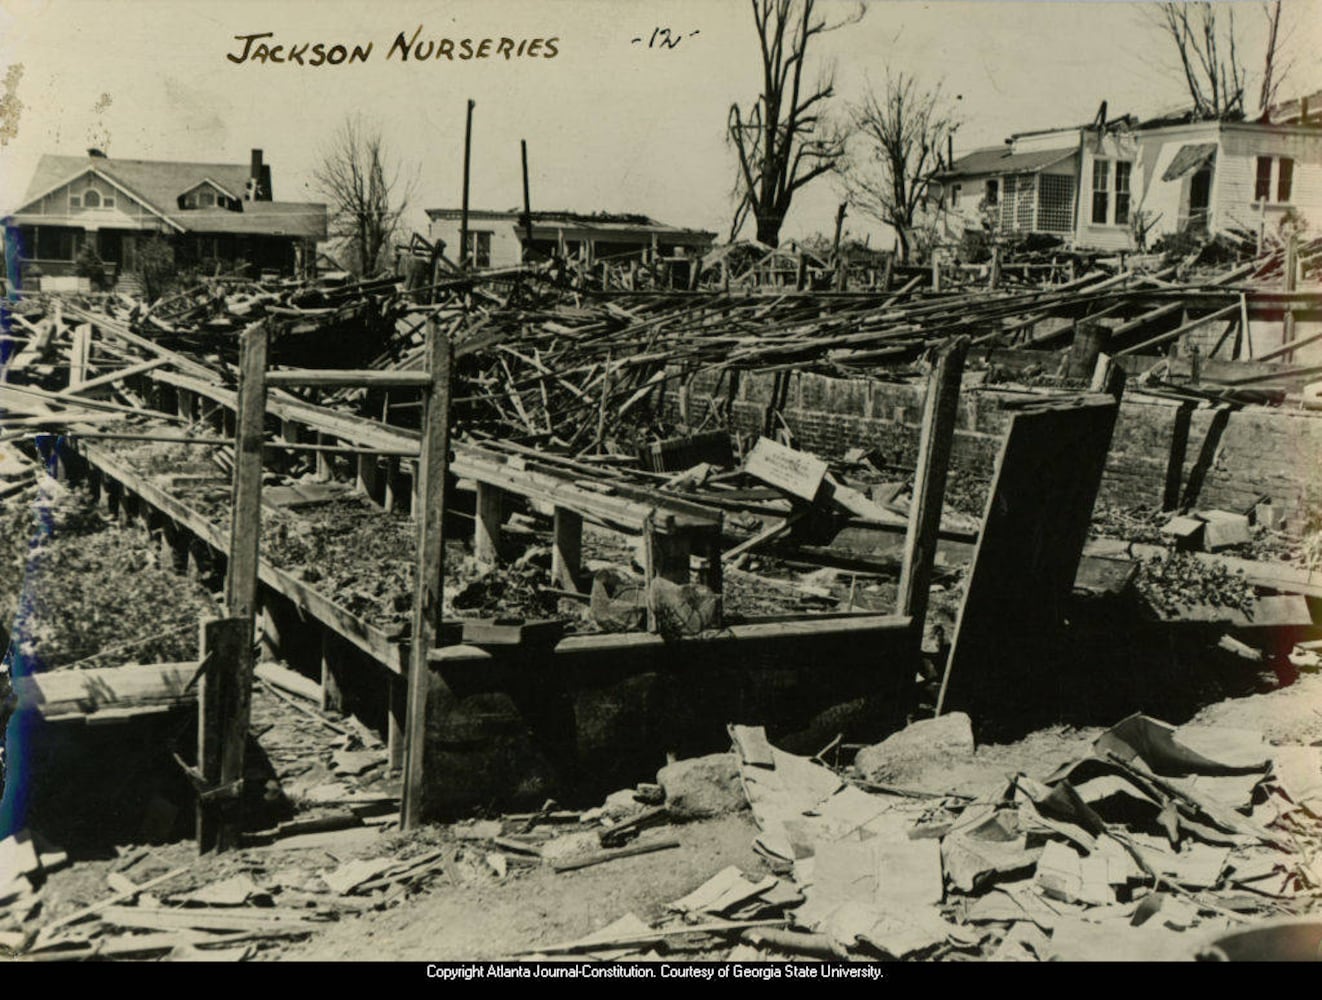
(1210, 60)
(899, 140)
(366, 194)
(783, 140)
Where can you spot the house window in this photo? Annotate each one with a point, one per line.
(190, 200)
(1262, 187)
(1284, 179)
(993, 192)
(479, 249)
(207, 199)
(91, 200)
(1055, 205)
(954, 196)
(75, 201)
(1122, 169)
(1101, 191)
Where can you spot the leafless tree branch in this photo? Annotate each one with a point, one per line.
(366, 192)
(783, 141)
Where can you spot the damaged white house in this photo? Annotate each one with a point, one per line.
(1106, 185)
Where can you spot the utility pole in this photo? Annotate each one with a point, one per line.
(463, 220)
(527, 204)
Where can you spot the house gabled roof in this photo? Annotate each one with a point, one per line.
(997, 160)
(157, 182)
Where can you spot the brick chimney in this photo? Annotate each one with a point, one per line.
(259, 178)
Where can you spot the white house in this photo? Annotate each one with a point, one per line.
(1093, 185)
(495, 239)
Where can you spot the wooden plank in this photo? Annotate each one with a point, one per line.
(940, 409)
(270, 922)
(242, 569)
(434, 476)
(79, 351)
(49, 929)
(795, 472)
(1033, 531)
(861, 626)
(566, 548)
(60, 694)
(117, 376)
(222, 642)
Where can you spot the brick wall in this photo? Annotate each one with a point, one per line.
(1261, 451)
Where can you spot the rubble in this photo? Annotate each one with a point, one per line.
(701, 787)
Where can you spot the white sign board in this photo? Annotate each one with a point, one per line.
(793, 471)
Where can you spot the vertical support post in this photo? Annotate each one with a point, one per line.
(1170, 499)
(995, 268)
(78, 354)
(323, 461)
(940, 408)
(1291, 277)
(936, 272)
(601, 412)
(527, 203)
(566, 548)
(490, 516)
(397, 689)
(434, 472)
(1247, 331)
(369, 477)
(221, 646)
(394, 483)
(241, 578)
(332, 698)
(463, 220)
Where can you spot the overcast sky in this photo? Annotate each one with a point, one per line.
(611, 124)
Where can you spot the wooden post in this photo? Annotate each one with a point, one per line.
(527, 202)
(567, 548)
(940, 408)
(490, 516)
(1170, 499)
(397, 689)
(332, 698)
(463, 220)
(936, 272)
(369, 477)
(394, 484)
(222, 643)
(1291, 276)
(241, 577)
(996, 268)
(323, 460)
(78, 355)
(434, 472)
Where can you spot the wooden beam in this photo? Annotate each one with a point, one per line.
(940, 409)
(360, 378)
(434, 476)
(1179, 331)
(241, 577)
(116, 376)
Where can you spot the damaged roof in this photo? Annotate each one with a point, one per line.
(1000, 160)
